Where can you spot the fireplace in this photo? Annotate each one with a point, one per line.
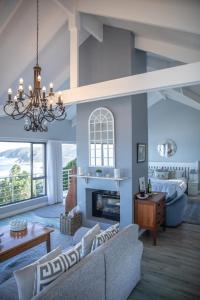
(106, 204)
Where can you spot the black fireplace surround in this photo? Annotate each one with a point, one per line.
(106, 204)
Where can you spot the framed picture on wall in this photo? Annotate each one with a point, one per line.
(141, 152)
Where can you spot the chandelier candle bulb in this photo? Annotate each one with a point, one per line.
(43, 91)
(9, 94)
(39, 78)
(59, 97)
(30, 90)
(21, 81)
(51, 87)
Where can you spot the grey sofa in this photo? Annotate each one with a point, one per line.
(110, 272)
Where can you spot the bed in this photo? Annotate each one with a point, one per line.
(173, 179)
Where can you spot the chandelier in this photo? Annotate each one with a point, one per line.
(36, 107)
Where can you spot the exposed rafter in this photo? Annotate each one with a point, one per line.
(93, 26)
(181, 98)
(153, 98)
(175, 52)
(178, 15)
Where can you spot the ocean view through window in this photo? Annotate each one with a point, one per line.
(22, 171)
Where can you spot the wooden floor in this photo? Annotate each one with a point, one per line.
(171, 270)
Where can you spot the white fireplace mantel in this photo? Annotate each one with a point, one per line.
(89, 177)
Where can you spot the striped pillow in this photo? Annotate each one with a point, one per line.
(105, 236)
(49, 271)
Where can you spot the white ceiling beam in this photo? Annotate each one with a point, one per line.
(93, 26)
(179, 15)
(175, 52)
(74, 28)
(184, 75)
(181, 98)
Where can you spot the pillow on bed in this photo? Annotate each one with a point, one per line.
(179, 174)
(172, 175)
(161, 174)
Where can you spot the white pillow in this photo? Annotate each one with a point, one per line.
(88, 238)
(25, 277)
(162, 174)
(105, 236)
(50, 270)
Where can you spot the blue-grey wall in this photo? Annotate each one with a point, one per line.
(181, 123)
(99, 62)
(12, 129)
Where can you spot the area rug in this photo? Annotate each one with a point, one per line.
(192, 213)
(31, 255)
(50, 211)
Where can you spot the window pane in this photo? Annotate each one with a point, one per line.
(15, 169)
(104, 126)
(68, 162)
(38, 160)
(98, 161)
(38, 187)
(105, 161)
(92, 161)
(111, 162)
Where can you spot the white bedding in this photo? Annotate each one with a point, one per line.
(169, 186)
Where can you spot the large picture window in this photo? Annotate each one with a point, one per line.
(22, 171)
(101, 138)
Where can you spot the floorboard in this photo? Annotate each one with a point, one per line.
(171, 270)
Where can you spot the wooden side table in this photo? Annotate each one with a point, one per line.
(150, 213)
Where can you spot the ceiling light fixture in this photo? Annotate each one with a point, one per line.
(36, 107)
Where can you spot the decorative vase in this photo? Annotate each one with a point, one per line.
(116, 173)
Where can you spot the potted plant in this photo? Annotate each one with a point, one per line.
(98, 172)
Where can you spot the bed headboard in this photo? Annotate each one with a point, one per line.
(173, 166)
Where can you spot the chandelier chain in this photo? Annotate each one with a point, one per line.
(37, 32)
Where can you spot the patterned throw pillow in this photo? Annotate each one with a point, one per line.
(49, 271)
(105, 236)
(25, 277)
(88, 239)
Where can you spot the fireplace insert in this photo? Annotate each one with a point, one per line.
(106, 204)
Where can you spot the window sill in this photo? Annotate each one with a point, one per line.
(23, 206)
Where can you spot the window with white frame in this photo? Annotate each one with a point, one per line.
(101, 138)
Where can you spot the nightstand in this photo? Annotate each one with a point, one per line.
(150, 213)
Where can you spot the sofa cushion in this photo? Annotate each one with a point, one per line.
(105, 236)
(25, 277)
(50, 270)
(88, 238)
(122, 263)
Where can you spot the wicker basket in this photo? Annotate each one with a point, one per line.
(69, 225)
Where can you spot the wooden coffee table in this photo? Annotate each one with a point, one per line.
(13, 243)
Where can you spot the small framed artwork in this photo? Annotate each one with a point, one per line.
(141, 152)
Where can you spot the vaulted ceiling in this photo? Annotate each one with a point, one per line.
(169, 31)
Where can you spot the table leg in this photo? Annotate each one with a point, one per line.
(154, 234)
(48, 243)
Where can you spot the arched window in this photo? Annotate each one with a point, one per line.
(101, 138)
